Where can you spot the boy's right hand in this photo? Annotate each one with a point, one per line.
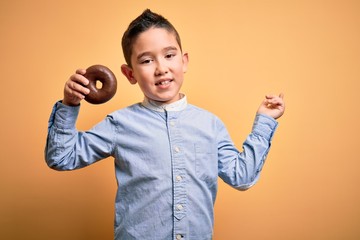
(74, 90)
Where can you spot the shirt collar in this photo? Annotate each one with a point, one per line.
(161, 107)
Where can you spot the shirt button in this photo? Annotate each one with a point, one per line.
(177, 149)
(172, 123)
(178, 236)
(179, 207)
(178, 178)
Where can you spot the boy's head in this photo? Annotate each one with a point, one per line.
(154, 57)
(141, 24)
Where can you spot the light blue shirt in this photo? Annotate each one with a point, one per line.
(167, 162)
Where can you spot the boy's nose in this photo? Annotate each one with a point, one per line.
(161, 69)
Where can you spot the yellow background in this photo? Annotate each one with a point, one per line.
(239, 51)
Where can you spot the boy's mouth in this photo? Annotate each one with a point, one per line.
(163, 82)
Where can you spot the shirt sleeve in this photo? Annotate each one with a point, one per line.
(242, 169)
(67, 148)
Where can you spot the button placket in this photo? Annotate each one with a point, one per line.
(178, 171)
(177, 149)
(179, 207)
(178, 178)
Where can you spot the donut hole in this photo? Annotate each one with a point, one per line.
(98, 84)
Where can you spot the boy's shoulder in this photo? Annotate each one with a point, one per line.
(134, 108)
(198, 109)
(200, 112)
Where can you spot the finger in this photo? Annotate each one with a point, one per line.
(275, 102)
(269, 96)
(274, 99)
(270, 99)
(75, 95)
(81, 71)
(76, 87)
(79, 79)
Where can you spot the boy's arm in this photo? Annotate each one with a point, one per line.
(68, 149)
(242, 169)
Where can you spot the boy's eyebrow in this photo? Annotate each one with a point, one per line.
(142, 54)
(170, 48)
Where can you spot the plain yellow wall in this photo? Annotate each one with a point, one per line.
(239, 51)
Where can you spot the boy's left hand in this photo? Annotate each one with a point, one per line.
(273, 106)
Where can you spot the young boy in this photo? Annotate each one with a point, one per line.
(168, 153)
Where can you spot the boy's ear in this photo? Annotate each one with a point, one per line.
(185, 61)
(128, 73)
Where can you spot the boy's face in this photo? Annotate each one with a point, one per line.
(158, 65)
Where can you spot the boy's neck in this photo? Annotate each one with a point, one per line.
(162, 107)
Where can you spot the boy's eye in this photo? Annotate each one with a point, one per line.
(170, 55)
(146, 61)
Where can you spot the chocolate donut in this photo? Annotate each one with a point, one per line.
(106, 77)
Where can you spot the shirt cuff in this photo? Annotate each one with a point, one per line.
(264, 126)
(63, 116)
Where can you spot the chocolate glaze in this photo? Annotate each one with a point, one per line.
(109, 84)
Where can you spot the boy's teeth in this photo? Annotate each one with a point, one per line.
(163, 83)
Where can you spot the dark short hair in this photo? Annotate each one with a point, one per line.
(145, 21)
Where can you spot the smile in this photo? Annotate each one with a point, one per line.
(163, 83)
